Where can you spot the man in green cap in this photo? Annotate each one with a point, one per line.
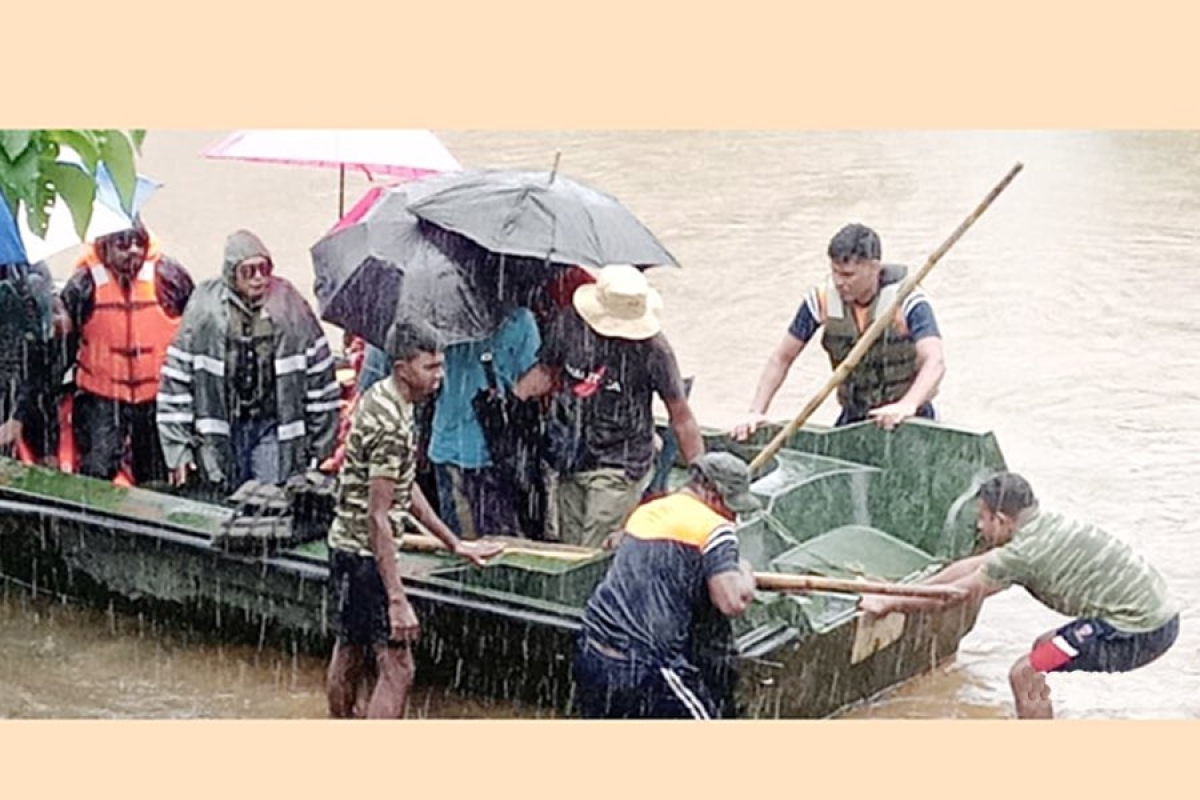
(650, 627)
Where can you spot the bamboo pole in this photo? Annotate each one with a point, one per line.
(882, 321)
(772, 581)
(423, 543)
(816, 583)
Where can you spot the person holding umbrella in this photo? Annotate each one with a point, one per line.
(248, 389)
(480, 494)
(609, 355)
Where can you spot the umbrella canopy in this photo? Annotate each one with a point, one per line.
(20, 244)
(405, 154)
(12, 249)
(537, 214)
(385, 266)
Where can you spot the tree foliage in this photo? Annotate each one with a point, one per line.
(32, 176)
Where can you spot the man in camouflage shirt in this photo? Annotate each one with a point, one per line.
(1124, 616)
(376, 492)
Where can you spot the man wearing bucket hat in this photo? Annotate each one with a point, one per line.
(610, 357)
(648, 629)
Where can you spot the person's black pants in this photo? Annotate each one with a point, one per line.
(108, 431)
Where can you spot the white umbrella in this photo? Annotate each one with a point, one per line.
(107, 216)
(406, 154)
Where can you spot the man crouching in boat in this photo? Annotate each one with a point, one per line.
(376, 491)
(677, 560)
(1125, 616)
(898, 376)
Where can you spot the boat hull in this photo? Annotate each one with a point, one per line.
(504, 632)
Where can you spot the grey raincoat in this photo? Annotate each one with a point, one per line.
(193, 412)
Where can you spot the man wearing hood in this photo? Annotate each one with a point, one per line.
(248, 389)
(123, 306)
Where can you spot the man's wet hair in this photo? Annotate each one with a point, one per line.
(407, 337)
(1007, 493)
(855, 242)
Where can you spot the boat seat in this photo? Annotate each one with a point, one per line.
(855, 551)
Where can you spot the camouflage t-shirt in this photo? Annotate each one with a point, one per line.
(381, 444)
(1079, 570)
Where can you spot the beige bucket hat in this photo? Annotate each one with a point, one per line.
(621, 304)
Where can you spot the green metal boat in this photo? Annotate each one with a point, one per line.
(846, 502)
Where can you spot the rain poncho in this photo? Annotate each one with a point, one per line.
(194, 415)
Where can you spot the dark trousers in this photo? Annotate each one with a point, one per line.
(109, 431)
(632, 687)
(477, 502)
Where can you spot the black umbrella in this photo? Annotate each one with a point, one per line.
(385, 266)
(537, 214)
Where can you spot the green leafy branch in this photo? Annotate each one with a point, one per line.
(32, 176)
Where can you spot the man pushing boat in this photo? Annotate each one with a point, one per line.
(1124, 615)
(653, 631)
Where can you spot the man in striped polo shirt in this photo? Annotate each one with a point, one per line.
(898, 375)
(1124, 615)
(675, 569)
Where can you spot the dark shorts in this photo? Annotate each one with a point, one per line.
(1091, 645)
(622, 686)
(359, 602)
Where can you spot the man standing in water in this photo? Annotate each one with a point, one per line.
(1125, 616)
(649, 635)
(376, 491)
(899, 374)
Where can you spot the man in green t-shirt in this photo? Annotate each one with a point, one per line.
(1124, 616)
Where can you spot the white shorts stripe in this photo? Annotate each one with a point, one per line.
(1065, 646)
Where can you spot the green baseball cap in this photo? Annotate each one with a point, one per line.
(730, 476)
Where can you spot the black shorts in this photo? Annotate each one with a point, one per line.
(359, 601)
(1092, 645)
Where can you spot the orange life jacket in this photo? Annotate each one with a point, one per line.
(124, 343)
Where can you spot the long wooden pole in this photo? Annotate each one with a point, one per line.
(428, 543)
(764, 580)
(882, 321)
(816, 583)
